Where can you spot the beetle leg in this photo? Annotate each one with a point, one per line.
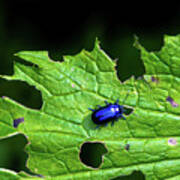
(106, 124)
(91, 109)
(117, 101)
(123, 117)
(97, 127)
(112, 123)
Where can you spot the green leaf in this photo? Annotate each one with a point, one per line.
(10, 175)
(57, 131)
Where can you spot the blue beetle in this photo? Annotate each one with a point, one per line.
(110, 112)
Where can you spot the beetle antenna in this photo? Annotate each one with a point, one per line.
(106, 102)
(91, 109)
(117, 101)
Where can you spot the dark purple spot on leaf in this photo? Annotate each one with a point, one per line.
(153, 79)
(171, 100)
(172, 142)
(17, 122)
(127, 147)
(3, 97)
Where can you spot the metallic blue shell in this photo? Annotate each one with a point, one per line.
(105, 114)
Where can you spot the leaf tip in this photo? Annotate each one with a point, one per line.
(20, 53)
(97, 43)
(136, 43)
(15, 54)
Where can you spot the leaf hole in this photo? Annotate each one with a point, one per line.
(127, 110)
(22, 93)
(135, 175)
(13, 155)
(91, 154)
